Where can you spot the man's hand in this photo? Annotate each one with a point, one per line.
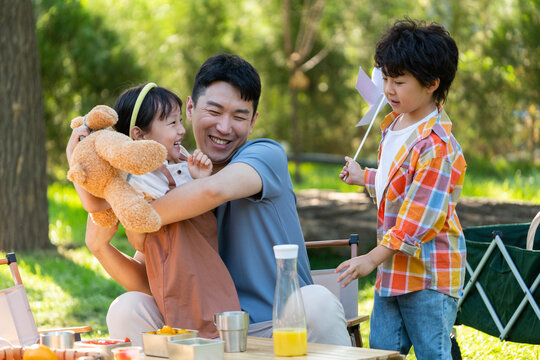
(352, 173)
(199, 165)
(97, 237)
(74, 139)
(136, 240)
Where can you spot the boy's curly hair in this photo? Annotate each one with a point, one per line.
(427, 51)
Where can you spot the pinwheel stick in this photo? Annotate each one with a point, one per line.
(381, 103)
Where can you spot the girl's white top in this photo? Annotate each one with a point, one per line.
(392, 142)
(154, 184)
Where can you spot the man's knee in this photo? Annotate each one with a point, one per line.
(122, 308)
(325, 318)
(132, 313)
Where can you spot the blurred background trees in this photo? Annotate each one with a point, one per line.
(91, 50)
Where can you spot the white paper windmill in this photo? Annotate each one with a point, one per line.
(372, 92)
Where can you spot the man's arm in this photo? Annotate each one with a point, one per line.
(235, 181)
(129, 272)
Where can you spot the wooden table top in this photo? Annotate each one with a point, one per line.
(263, 348)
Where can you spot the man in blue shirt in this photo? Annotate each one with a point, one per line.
(256, 209)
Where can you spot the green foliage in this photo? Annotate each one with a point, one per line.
(91, 50)
(83, 63)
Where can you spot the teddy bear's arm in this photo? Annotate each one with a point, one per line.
(135, 157)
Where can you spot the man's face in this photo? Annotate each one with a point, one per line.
(222, 122)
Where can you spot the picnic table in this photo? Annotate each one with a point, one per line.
(263, 349)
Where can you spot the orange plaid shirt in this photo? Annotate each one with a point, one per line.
(417, 213)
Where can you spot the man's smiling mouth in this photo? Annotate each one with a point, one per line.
(219, 141)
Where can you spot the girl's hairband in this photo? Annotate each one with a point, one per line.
(138, 103)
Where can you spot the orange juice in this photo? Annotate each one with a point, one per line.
(290, 342)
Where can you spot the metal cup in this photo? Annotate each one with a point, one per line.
(58, 339)
(232, 327)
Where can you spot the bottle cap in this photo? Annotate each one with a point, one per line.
(286, 251)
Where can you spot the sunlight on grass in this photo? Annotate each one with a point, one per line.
(475, 344)
(67, 217)
(515, 185)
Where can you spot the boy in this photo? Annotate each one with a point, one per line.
(420, 256)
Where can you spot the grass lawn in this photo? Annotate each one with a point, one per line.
(66, 286)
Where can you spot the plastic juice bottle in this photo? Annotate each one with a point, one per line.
(288, 317)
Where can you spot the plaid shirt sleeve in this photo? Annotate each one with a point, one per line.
(424, 211)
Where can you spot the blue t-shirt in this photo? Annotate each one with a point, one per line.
(250, 227)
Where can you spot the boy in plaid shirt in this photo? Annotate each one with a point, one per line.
(420, 253)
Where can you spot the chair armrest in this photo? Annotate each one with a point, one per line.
(357, 320)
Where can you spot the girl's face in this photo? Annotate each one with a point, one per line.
(169, 132)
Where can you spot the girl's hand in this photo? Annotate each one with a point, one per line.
(199, 165)
(75, 138)
(97, 237)
(356, 267)
(352, 173)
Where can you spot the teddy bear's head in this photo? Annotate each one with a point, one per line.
(100, 117)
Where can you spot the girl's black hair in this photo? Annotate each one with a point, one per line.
(157, 101)
(427, 51)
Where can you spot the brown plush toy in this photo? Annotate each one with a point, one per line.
(100, 163)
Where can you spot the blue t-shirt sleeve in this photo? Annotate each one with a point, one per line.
(268, 158)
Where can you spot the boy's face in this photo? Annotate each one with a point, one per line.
(222, 122)
(407, 96)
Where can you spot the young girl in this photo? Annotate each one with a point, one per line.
(188, 280)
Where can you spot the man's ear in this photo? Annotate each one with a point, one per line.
(253, 120)
(434, 85)
(189, 108)
(136, 133)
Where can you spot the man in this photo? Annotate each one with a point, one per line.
(255, 207)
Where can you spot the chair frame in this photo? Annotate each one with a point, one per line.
(353, 324)
(11, 261)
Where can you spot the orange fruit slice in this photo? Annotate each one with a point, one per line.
(39, 352)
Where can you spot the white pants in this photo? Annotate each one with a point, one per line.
(133, 313)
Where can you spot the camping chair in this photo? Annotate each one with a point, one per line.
(500, 297)
(349, 295)
(18, 324)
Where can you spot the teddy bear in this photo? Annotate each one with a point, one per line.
(100, 163)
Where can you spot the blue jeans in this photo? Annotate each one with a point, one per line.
(423, 319)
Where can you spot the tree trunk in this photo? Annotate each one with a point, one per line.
(23, 180)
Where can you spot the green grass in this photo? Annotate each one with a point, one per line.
(507, 182)
(67, 286)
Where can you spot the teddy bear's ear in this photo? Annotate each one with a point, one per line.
(75, 123)
(101, 117)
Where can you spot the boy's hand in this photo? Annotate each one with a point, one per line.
(352, 173)
(199, 165)
(359, 266)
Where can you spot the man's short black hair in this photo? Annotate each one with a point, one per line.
(427, 51)
(233, 70)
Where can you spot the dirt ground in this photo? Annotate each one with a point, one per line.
(326, 215)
